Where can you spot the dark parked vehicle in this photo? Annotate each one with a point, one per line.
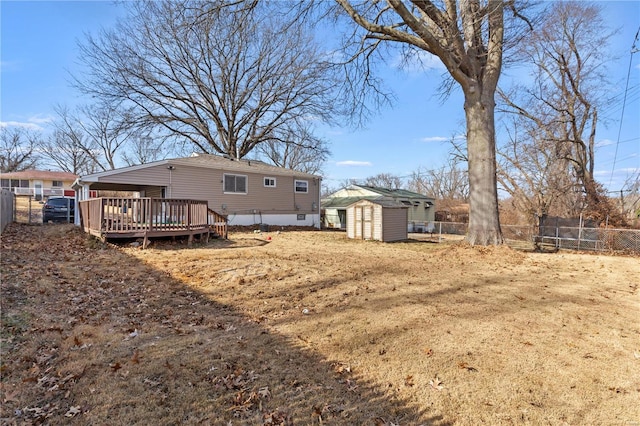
(58, 209)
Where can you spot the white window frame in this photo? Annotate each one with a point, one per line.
(306, 186)
(270, 179)
(224, 183)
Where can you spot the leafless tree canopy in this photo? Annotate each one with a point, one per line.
(226, 76)
(449, 182)
(559, 112)
(384, 180)
(300, 151)
(468, 36)
(18, 149)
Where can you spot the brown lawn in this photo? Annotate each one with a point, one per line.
(312, 328)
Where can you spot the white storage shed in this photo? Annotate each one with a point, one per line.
(382, 220)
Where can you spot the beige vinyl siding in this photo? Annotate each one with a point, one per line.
(395, 224)
(152, 191)
(202, 183)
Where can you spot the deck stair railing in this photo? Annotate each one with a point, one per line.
(218, 224)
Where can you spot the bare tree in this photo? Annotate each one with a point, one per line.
(299, 150)
(69, 147)
(448, 183)
(568, 55)
(65, 150)
(532, 174)
(143, 148)
(468, 37)
(18, 149)
(109, 128)
(384, 180)
(225, 76)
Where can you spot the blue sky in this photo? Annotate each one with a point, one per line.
(39, 48)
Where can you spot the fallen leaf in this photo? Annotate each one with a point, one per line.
(466, 366)
(73, 411)
(428, 351)
(115, 367)
(408, 381)
(436, 384)
(264, 392)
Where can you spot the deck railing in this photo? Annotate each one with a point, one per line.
(218, 223)
(114, 215)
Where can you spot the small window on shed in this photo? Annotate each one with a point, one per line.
(270, 182)
(302, 186)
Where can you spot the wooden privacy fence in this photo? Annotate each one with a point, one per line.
(7, 208)
(112, 217)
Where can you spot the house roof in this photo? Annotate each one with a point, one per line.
(207, 161)
(40, 174)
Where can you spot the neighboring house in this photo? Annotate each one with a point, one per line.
(420, 207)
(248, 192)
(38, 183)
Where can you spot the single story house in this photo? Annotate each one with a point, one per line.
(420, 207)
(247, 192)
(384, 219)
(39, 183)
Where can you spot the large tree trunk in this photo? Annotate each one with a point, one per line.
(484, 222)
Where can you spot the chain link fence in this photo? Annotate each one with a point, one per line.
(551, 237)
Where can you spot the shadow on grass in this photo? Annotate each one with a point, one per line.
(111, 340)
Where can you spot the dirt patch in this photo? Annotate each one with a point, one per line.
(312, 328)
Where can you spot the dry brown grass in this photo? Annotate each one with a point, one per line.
(312, 328)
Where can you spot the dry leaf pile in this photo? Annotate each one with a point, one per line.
(312, 328)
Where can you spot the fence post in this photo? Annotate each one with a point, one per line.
(579, 231)
(439, 231)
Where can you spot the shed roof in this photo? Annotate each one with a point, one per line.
(384, 202)
(395, 192)
(337, 202)
(40, 174)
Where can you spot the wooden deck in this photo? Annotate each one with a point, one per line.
(114, 217)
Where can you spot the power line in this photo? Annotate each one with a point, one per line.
(634, 49)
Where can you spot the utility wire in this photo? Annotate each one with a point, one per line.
(634, 49)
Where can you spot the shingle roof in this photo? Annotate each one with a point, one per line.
(210, 162)
(217, 161)
(395, 193)
(331, 203)
(40, 174)
(388, 202)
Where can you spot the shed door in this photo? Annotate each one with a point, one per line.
(364, 222)
(367, 222)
